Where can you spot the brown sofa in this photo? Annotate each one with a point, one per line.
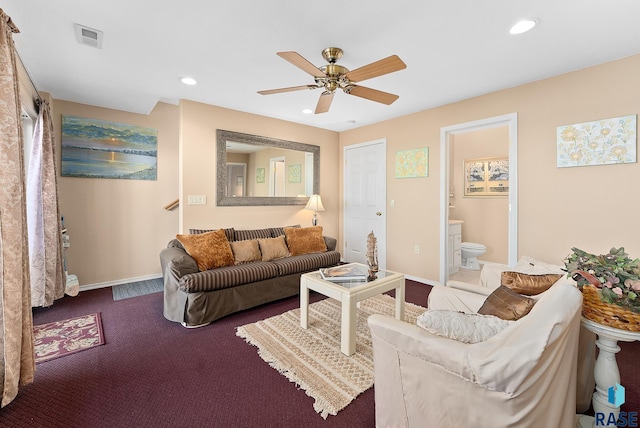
(196, 298)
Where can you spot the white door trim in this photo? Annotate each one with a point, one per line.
(382, 255)
(510, 120)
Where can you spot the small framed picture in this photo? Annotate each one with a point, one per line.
(486, 177)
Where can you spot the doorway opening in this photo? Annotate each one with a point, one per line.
(446, 136)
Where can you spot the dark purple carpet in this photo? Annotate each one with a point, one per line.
(155, 373)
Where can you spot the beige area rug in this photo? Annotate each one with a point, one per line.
(312, 359)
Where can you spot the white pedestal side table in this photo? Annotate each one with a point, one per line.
(606, 370)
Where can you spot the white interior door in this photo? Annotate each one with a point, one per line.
(365, 193)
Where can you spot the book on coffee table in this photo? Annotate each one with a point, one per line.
(343, 273)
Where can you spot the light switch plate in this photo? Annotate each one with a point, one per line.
(197, 200)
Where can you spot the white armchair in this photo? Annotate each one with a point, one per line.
(467, 297)
(524, 376)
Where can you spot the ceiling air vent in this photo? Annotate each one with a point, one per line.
(89, 36)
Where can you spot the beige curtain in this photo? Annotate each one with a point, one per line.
(16, 325)
(43, 215)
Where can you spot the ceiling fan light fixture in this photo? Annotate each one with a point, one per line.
(331, 85)
(524, 26)
(332, 77)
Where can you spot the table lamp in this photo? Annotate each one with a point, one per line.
(315, 205)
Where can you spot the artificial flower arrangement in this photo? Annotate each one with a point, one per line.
(615, 274)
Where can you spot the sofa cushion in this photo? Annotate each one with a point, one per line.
(506, 304)
(306, 262)
(305, 240)
(246, 251)
(277, 231)
(466, 328)
(243, 235)
(273, 248)
(229, 232)
(227, 276)
(209, 250)
(529, 285)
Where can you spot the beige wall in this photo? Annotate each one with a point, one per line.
(593, 208)
(118, 227)
(486, 218)
(198, 159)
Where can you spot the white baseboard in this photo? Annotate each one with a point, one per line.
(119, 282)
(421, 280)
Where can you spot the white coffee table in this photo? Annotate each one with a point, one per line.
(349, 293)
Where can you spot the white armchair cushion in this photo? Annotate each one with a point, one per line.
(466, 328)
(491, 273)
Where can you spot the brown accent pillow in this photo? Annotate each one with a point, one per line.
(246, 251)
(305, 240)
(506, 304)
(273, 248)
(209, 250)
(529, 285)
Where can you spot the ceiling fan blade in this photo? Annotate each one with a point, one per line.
(290, 89)
(373, 94)
(375, 69)
(324, 102)
(299, 61)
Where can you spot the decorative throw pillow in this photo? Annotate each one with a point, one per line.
(506, 304)
(529, 285)
(277, 231)
(209, 250)
(273, 248)
(246, 251)
(466, 328)
(305, 240)
(230, 232)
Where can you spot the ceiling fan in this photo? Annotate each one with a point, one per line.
(333, 76)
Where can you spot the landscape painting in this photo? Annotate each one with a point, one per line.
(95, 148)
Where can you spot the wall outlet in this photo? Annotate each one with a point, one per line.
(417, 249)
(197, 200)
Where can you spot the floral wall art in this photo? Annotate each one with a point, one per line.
(412, 163)
(295, 173)
(601, 142)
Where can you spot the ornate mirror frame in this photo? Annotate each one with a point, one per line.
(223, 136)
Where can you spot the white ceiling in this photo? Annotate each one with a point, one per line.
(453, 49)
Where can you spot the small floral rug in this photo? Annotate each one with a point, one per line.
(60, 338)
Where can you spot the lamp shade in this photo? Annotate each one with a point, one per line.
(315, 203)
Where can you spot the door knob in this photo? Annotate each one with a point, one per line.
(378, 213)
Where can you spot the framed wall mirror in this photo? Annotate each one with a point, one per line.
(256, 170)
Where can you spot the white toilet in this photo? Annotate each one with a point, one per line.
(470, 253)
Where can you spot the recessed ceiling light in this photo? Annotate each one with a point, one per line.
(307, 111)
(524, 26)
(188, 80)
